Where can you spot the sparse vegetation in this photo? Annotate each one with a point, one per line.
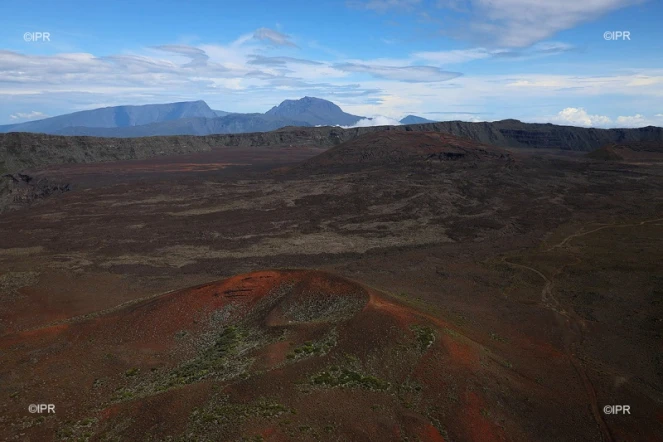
(224, 358)
(452, 333)
(343, 377)
(495, 337)
(221, 414)
(323, 307)
(409, 392)
(314, 348)
(80, 431)
(11, 282)
(425, 336)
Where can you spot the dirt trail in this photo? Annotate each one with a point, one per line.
(607, 226)
(572, 325)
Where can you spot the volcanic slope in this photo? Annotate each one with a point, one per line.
(634, 152)
(278, 355)
(393, 148)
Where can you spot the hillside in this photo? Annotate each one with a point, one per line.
(386, 147)
(644, 151)
(278, 354)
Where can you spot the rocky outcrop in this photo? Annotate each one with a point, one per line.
(21, 189)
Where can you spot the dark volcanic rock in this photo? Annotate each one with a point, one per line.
(20, 189)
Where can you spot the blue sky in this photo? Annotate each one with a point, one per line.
(473, 60)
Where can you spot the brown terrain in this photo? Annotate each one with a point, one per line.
(403, 286)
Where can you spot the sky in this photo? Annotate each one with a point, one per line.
(592, 63)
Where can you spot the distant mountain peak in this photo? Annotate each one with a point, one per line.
(315, 111)
(304, 103)
(413, 119)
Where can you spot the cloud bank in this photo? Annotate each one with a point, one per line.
(378, 120)
(580, 117)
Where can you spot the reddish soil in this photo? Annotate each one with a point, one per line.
(83, 365)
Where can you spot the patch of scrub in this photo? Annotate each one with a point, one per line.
(221, 415)
(295, 244)
(79, 431)
(223, 356)
(21, 251)
(345, 377)
(70, 261)
(154, 200)
(314, 348)
(322, 307)
(425, 336)
(11, 282)
(55, 216)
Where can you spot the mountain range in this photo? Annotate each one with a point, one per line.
(189, 118)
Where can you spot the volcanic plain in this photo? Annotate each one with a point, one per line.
(405, 286)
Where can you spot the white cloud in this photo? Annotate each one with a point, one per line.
(378, 120)
(414, 74)
(519, 23)
(508, 23)
(579, 117)
(636, 120)
(454, 56)
(383, 5)
(28, 115)
(457, 56)
(273, 37)
(197, 56)
(279, 61)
